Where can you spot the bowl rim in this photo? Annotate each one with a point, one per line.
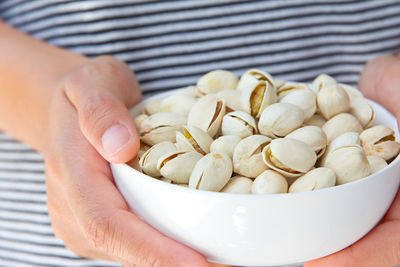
(341, 187)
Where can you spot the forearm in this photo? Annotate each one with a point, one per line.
(29, 73)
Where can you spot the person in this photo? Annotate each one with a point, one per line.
(66, 91)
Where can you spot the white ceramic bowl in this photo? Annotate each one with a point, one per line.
(260, 230)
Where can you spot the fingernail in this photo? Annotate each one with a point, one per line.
(115, 138)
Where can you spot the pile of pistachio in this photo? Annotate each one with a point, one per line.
(260, 135)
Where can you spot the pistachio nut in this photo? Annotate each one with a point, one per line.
(207, 114)
(217, 80)
(349, 164)
(238, 185)
(247, 157)
(238, 123)
(341, 123)
(380, 141)
(193, 139)
(231, 99)
(139, 119)
(279, 119)
(303, 99)
(148, 161)
(351, 91)
(256, 98)
(212, 172)
(376, 163)
(315, 179)
(160, 127)
(269, 182)
(171, 165)
(363, 111)
(332, 100)
(252, 77)
(178, 103)
(289, 88)
(290, 157)
(151, 107)
(313, 136)
(322, 81)
(316, 120)
(225, 144)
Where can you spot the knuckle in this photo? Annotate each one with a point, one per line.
(96, 110)
(97, 232)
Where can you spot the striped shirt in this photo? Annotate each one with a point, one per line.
(170, 44)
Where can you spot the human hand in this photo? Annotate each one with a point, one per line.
(379, 81)
(89, 125)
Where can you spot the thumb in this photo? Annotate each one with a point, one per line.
(100, 91)
(380, 81)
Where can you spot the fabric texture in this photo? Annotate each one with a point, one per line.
(170, 44)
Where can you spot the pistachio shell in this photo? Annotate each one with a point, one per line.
(161, 127)
(363, 111)
(289, 157)
(238, 123)
(340, 124)
(289, 88)
(148, 161)
(238, 185)
(142, 149)
(258, 97)
(332, 100)
(351, 91)
(139, 119)
(193, 139)
(316, 120)
(269, 182)
(376, 163)
(303, 99)
(178, 103)
(313, 180)
(231, 99)
(322, 81)
(212, 172)
(247, 157)
(207, 114)
(252, 77)
(151, 107)
(344, 140)
(187, 90)
(166, 180)
(313, 136)
(171, 165)
(225, 144)
(279, 84)
(279, 119)
(348, 163)
(217, 80)
(380, 141)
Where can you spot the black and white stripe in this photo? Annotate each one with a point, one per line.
(171, 44)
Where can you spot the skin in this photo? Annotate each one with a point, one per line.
(63, 104)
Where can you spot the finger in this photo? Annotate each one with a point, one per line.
(101, 93)
(380, 81)
(379, 248)
(105, 218)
